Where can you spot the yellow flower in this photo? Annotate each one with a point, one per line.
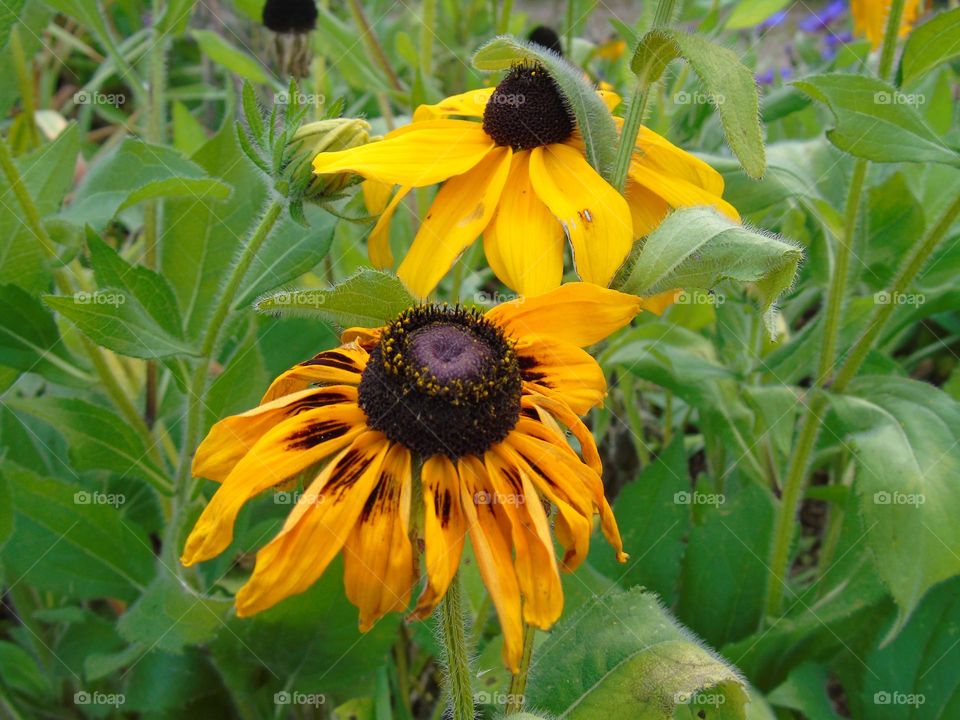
(482, 404)
(870, 18)
(520, 178)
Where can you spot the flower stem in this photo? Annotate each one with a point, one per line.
(571, 20)
(457, 657)
(794, 484)
(372, 42)
(637, 107)
(503, 26)
(427, 20)
(518, 682)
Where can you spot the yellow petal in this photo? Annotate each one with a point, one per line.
(527, 237)
(561, 370)
(469, 104)
(657, 153)
(231, 438)
(610, 98)
(647, 209)
(285, 450)
(443, 530)
(376, 195)
(459, 213)
(489, 536)
(378, 244)
(416, 155)
(562, 412)
(579, 313)
(679, 193)
(341, 366)
(595, 216)
(316, 528)
(378, 570)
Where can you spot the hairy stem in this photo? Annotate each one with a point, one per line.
(518, 682)
(457, 655)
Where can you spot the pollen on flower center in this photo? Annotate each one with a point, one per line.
(528, 110)
(442, 381)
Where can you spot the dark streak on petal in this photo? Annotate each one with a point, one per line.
(347, 472)
(527, 371)
(316, 434)
(334, 359)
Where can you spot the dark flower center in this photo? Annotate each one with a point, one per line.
(290, 16)
(528, 110)
(546, 37)
(442, 381)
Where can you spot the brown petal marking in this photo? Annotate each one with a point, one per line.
(317, 433)
(334, 359)
(527, 365)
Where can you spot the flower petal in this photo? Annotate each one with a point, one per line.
(378, 243)
(416, 155)
(459, 213)
(677, 192)
(444, 530)
(378, 569)
(282, 452)
(316, 528)
(489, 536)
(579, 313)
(376, 195)
(561, 370)
(527, 237)
(595, 216)
(469, 104)
(340, 366)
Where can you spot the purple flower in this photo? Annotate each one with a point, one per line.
(773, 21)
(817, 22)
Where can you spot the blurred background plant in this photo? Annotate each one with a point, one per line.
(787, 489)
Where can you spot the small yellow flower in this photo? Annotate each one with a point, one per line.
(521, 179)
(482, 404)
(870, 18)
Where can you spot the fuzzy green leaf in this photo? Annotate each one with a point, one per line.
(930, 45)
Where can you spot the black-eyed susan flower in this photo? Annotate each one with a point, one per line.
(481, 404)
(291, 21)
(870, 18)
(521, 179)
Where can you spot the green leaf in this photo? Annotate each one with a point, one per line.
(650, 517)
(9, 13)
(905, 438)
(136, 171)
(22, 261)
(369, 298)
(876, 121)
(232, 58)
(930, 45)
(353, 61)
(6, 510)
(20, 673)
(164, 685)
(189, 134)
(170, 616)
(728, 82)
(593, 118)
(99, 439)
(624, 656)
(698, 247)
(749, 13)
(64, 544)
(30, 340)
(177, 17)
(134, 313)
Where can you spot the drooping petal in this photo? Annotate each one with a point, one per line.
(490, 538)
(562, 370)
(378, 570)
(366, 338)
(578, 313)
(376, 195)
(443, 527)
(316, 528)
(595, 216)
(647, 209)
(677, 192)
(341, 366)
(282, 452)
(459, 213)
(469, 104)
(416, 155)
(562, 411)
(528, 239)
(378, 242)
(536, 565)
(657, 153)
(231, 438)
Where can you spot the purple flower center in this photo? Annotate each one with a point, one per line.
(449, 352)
